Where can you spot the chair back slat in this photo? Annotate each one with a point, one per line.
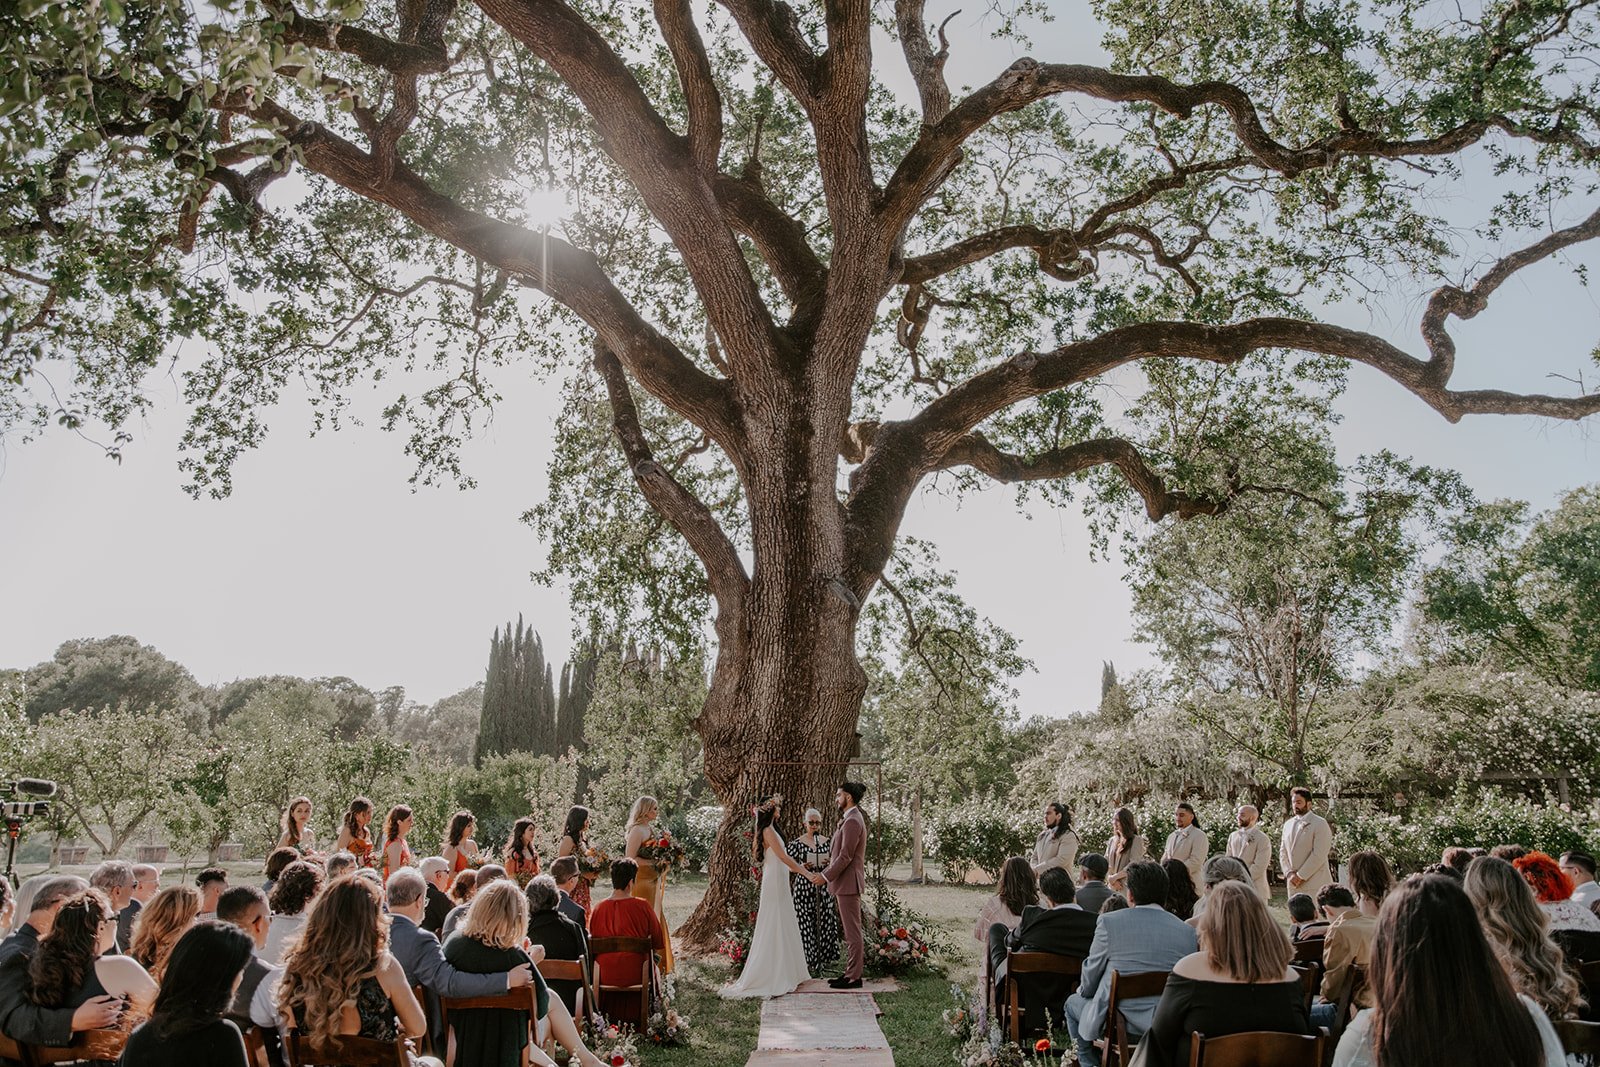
(561, 970)
(1309, 950)
(1032, 963)
(86, 1045)
(600, 946)
(1579, 1038)
(1347, 1002)
(345, 1052)
(1115, 1046)
(1310, 981)
(1257, 1048)
(643, 946)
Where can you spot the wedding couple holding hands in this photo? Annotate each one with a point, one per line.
(777, 960)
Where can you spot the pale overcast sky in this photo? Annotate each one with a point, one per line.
(325, 562)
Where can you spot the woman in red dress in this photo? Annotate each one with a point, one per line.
(624, 915)
(459, 849)
(354, 836)
(575, 842)
(396, 853)
(521, 859)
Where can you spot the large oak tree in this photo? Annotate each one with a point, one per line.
(806, 296)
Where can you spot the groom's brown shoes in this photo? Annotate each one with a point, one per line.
(845, 983)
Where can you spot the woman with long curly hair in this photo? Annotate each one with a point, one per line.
(1181, 893)
(290, 901)
(521, 857)
(396, 853)
(1370, 880)
(459, 849)
(652, 882)
(1429, 939)
(339, 978)
(1018, 889)
(1554, 887)
(71, 965)
(1519, 932)
(188, 1024)
(355, 837)
(295, 824)
(160, 923)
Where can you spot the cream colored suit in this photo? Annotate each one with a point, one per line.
(1251, 848)
(1307, 839)
(1052, 851)
(1190, 847)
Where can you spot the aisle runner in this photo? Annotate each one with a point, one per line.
(821, 1027)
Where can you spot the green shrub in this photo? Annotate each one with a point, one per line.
(1417, 837)
(980, 836)
(696, 830)
(888, 836)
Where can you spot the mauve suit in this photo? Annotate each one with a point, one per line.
(846, 877)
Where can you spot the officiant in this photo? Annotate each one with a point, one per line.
(819, 924)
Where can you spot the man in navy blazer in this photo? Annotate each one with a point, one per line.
(423, 959)
(1145, 937)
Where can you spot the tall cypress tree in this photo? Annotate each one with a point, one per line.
(519, 705)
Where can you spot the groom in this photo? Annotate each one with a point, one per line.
(846, 878)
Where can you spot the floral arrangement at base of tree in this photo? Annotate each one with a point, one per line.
(733, 943)
(666, 1027)
(663, 851)
(899, 940)
(616, 1045)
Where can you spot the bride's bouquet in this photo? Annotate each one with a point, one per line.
(662, 851)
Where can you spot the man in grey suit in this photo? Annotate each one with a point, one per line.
(423, 960)
(1092, 888)
(1145, 937)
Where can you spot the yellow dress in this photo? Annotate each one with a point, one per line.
(651, 885)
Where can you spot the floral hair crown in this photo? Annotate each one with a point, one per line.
(770, 804)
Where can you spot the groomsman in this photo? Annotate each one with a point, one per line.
(1303, 852)
(1249, 845)
(1057, 845)
(1187, 844)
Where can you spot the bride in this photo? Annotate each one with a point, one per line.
(777, 960)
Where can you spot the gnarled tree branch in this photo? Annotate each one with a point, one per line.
(676, 19)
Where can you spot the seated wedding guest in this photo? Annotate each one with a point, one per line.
(436, 873)
(71, 966)
(1057, 845)
(212, 883)
(1060, 927)
(564, 869)
(190, 1025)
(1519, 933)
(1509, 853)
(1018, 889)
(1125, 847)
(370, 875)
(1305, 922)
(1429, 939)
(1115, 902)
(1181, 896)
(115, 879)
(487, 874)
(1238, 981)
(1442, 868)
(1554, 890)
(8, 908)
(622, 915)
(1347, 944)
(1370, 880)
(290, 899)
(1144, 937)
(40, 898)
(1092, 890)
(166, 918)
(1579, 867)
(337, 865)
(1219, 869)
(520, 857)
(1188, 843)
(339, 977)
(146, 883)
(559, 936)
(462, 886)
(276, 862)
(423, 960)
(491, 936)
(255, 1001)
(1457, 858)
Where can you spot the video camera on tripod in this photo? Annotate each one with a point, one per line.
(16, 812)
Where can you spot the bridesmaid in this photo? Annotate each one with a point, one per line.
(296, 827)
(652, 881)
(459, 850)
(575, 842)
(354, 835)
(819, 925)
(521, 858)
(396, 853)
(1125, 846)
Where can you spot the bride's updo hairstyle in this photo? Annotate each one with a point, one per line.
(765, 811)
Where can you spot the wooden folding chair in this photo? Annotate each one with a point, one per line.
(1019, 963)
(573, 971)
(86, 1045)
(1579, 1038)
(1310, 981)
(524, 999)
(302, 1051)
(1257, 1048)
(1115, 1047)
(13, 1051)
(1347, 1001)
(1589, 977)
(1309, 950)
(601, 946)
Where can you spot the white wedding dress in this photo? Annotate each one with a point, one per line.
(777, 960)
